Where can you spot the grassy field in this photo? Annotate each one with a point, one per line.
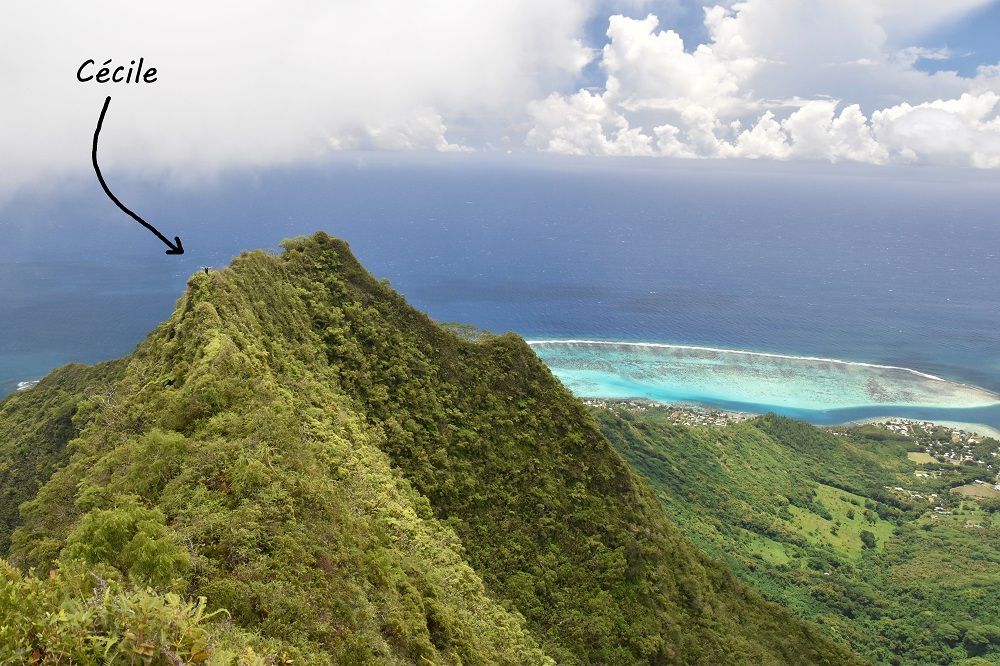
(920, 457)
(842, 531)
(769, 550)
(976, 490)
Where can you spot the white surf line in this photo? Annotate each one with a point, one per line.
(663, 345)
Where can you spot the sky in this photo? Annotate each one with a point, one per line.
(262, 83)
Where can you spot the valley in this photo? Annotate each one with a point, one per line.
(856, 528)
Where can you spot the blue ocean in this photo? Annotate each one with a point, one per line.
(891, 267)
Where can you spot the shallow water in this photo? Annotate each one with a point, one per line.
(711, 373)
(820, 390)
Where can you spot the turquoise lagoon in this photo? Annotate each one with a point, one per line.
(819, 390)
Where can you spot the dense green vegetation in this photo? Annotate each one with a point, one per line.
(35, 428)
(343, 480)
(814, 521)
(74, 616)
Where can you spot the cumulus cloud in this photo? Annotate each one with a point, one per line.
(584, 124)
(783, 79)
(649, 69)
(956, 131)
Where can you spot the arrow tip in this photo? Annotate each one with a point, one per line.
(176, 247)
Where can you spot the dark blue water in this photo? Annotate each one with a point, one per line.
(900, 267)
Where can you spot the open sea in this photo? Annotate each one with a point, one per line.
(891, 267)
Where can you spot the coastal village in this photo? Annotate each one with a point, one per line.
(975, 456)
(688, 415)
(946, 444)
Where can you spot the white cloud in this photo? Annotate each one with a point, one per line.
(649, 69)
(583, 124)
(818, 131)
(766, 139)
(785, 79)
(259, 82)
(420, 129)
(913, 54)
(957, 131)
(262, 82)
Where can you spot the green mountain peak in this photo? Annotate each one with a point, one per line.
(352, 483)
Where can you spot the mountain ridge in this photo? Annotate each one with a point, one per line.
(353, 482)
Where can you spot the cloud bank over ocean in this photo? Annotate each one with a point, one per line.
(257, 84)
(262, 83)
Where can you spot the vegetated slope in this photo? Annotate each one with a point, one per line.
(813, 521)
(35, 427)
(354, 483)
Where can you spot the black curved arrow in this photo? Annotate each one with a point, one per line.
(176, 247)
